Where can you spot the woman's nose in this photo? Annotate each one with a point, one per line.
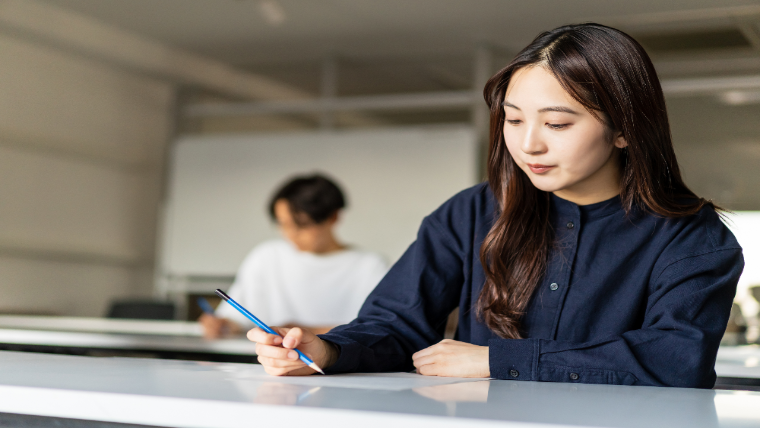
(532, 143)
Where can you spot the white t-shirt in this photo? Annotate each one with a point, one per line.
(282, 285)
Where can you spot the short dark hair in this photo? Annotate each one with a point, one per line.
(314, 195)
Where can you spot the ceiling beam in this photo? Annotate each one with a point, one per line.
(707, 64)
(439, 100)
(424, 101)
(709, 85)
(91, 38)
(75, 32)
(748, 29)
(668, 18)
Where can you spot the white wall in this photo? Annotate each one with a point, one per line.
(718, 149)
(393, 177)
(81, 155)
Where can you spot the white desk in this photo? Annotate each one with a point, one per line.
(198, 394)
(172, 339)
(101, 325)
(167, 337)
(145, 343)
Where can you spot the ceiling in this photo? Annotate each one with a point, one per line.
(402, 46)
(405, 46)
(247, 32)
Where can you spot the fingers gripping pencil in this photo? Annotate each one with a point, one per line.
(264, 327)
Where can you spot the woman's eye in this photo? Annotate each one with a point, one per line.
(557, 126)
(514, 122)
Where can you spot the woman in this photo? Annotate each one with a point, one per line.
(585, 258)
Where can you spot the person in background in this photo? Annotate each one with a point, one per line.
(309, 279)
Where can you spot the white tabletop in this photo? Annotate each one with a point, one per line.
(101, 325)
(185, 336)
(198, 394)
(117, 334)
(130, 342)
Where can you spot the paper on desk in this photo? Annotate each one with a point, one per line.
(376, 381)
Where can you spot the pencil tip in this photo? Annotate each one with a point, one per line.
(316, 367)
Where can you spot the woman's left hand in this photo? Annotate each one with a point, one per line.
(453, 359)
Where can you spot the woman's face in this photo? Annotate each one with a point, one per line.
(562, 147)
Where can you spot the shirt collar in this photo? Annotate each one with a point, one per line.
(599, 209)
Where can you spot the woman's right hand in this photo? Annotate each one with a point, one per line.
(277, 354)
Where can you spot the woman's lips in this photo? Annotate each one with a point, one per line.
(538, 168)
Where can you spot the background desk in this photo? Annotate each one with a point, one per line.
(102, 325)
(738, 367)
(202, 394)
(112, 337)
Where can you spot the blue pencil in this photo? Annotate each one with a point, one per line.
(205, 306)
(264, 327)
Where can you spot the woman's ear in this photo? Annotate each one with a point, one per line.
(619, 141)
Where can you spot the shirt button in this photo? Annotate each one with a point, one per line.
(553, 286)
(574, 376)
(570, 225)
(514, 373)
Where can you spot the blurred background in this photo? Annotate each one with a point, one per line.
(139, 140)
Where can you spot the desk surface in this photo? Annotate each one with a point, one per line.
(198, 394)
(130, 342)
(101, 325)
(184, 336)
(116, 335)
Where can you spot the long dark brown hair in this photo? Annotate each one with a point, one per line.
(611, 75)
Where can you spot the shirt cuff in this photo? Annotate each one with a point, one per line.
(514, 359)
(348, 354)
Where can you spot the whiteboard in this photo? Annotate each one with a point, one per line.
(220, 185)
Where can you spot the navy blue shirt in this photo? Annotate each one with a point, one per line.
(633, 299)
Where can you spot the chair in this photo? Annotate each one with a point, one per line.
(142, 309)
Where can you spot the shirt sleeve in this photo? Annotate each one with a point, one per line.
(685, 318)
(408, 309)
